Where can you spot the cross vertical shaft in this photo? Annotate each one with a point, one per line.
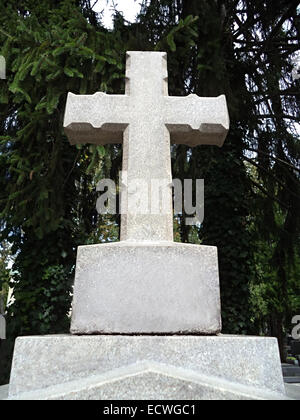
(146, 150)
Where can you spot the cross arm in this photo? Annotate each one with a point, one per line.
(193, 120)
(97, 119)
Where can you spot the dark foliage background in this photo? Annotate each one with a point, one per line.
(243, 48)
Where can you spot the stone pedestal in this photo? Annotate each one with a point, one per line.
(146, 288)
(146, 368)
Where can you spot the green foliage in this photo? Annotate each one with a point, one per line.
(64, 52)
(57, 287)
(227, 227)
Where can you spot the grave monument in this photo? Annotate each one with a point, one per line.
(146, 316)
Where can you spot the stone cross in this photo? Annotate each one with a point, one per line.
(146, 120)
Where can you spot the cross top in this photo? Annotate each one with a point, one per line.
(146, 74)
(146, 120)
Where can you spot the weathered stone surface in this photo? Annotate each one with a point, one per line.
(123, 367)
(293, 391)
(3, 392)
(150, 381)
(145, 120)
(135, 288)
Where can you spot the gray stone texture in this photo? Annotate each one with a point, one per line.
(293, 391)
(146, 120)
(135, 288)
(4, 392)
(122, 367)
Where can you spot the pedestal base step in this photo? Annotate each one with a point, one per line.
(146, 368)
